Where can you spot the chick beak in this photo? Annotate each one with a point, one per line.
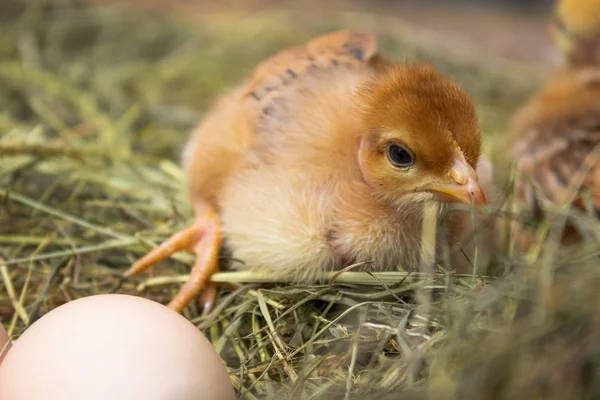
(465, 187)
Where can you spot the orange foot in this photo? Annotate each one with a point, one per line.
(202, 238)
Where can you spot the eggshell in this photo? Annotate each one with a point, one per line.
(3, 339)
(113, 347)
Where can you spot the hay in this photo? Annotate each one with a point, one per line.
(95, 105)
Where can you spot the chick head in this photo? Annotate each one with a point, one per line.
(420, 137)
(576, 30)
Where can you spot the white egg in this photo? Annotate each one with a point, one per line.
(113, 347)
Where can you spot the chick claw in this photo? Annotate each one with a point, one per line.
(204, 239)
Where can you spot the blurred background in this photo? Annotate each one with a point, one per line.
(515, 29)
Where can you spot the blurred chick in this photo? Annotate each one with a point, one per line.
(554, 135)
(576, 31)
(553, 139)
(324, 158)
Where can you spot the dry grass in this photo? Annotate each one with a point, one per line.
(95, 105)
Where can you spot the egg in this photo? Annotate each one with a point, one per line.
(116, 347)
(3, 339)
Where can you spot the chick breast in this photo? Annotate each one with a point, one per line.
(292, 227)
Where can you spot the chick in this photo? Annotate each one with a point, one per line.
(553, 136)
(324, 157)
(553, 139)
(576, 31)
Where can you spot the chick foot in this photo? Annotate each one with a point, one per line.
(204, 239)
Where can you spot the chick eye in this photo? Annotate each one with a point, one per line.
(399, 156)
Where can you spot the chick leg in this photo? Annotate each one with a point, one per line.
(204, 239)
(207, 263)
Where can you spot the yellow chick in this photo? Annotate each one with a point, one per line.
(323, 158)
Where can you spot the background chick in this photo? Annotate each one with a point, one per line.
(553, 140)
(553, 136)
(325, 158)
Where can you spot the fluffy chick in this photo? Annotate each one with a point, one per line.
(576, 31)
(323, 158)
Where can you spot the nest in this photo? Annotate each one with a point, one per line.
(96, 103)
